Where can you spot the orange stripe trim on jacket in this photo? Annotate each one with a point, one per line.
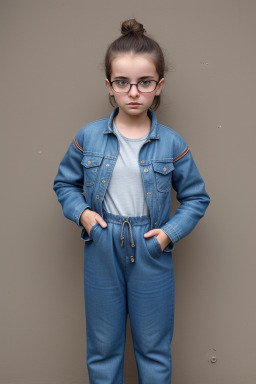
(77, 145)
(182, 154)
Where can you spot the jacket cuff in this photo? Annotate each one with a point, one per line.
(79, 212)
(172, 233)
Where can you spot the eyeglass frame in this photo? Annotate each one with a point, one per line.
(156, 81)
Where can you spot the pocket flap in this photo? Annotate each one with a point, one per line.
(90, 161)
(163, 167)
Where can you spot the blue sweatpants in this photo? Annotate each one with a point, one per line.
(125, 273)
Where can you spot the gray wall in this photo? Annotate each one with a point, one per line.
(52, 84)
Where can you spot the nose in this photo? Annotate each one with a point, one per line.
(134, 90)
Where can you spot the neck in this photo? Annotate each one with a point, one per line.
(131, 122)
(132, 126)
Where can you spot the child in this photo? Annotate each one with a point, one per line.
(115, 183)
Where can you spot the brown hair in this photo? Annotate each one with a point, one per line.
(133, 40)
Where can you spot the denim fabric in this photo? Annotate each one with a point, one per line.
(123, 271)
(165, 161)
(115, 286)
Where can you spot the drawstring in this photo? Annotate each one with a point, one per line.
(131, 238)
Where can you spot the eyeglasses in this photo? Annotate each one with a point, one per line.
(143, 86)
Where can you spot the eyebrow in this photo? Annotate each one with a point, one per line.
(125, 78)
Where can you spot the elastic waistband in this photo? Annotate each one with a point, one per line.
(133, 220)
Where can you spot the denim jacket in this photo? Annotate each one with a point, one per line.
(165, 161)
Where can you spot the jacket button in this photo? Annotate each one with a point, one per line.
(132, 259)
(97, 196)
(142, 161)
(103, 181)
(89, 162)
(164, 169)
(148, 193)
(145, 170)
(107, 165)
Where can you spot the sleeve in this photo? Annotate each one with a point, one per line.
(68, 183)
(191, 194)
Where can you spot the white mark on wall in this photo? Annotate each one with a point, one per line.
(203, 65)
(213, 359)
(211, 354)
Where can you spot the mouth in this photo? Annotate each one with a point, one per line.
(134, 104)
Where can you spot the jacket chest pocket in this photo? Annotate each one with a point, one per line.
(91, 164)
(163, 173)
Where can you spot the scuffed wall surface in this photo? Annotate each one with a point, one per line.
(52, 84)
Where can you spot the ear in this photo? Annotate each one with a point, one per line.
(160, 86)
(109, 87)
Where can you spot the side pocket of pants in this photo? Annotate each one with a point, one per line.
(153, 247)
(89, 237)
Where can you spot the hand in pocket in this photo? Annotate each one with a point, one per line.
(161, 237)
(89, 218)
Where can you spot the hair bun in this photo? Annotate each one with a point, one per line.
(132, 26)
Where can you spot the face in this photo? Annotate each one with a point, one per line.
(133, 68)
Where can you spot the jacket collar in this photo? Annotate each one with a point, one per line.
(153, 134)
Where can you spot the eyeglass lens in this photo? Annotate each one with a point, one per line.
(143, 86)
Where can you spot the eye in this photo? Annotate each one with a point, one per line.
(121, 82)
(145, 83)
